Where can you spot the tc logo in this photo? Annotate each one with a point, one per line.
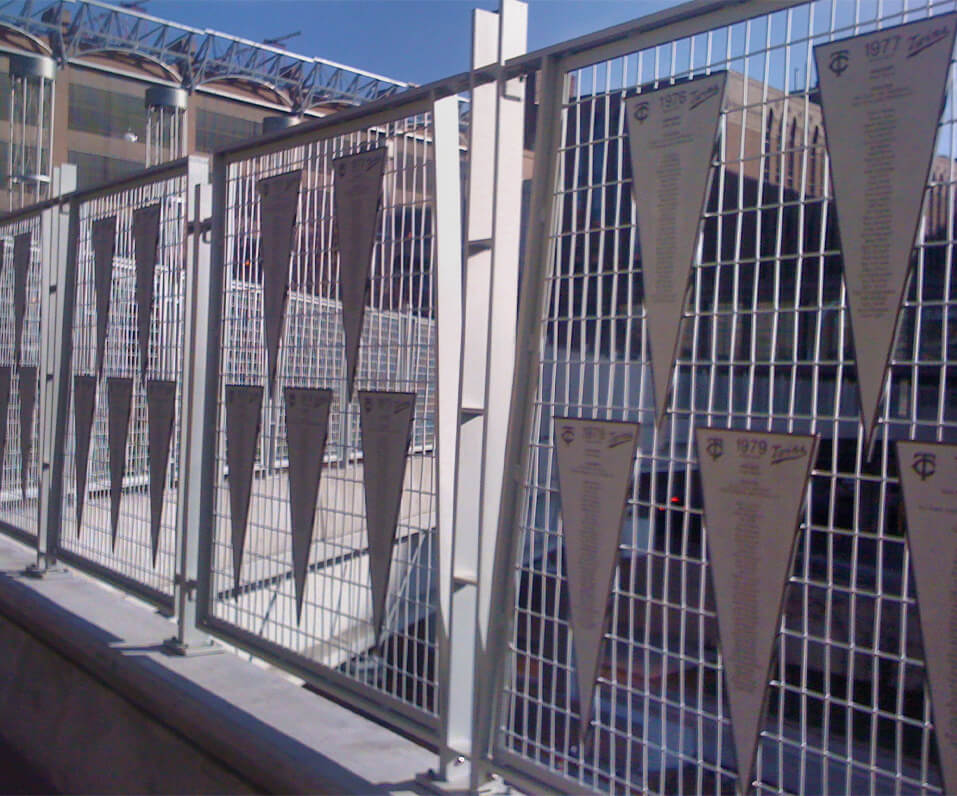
(568, 435)
(641, 112)
(715, 448)
(839, 62)
(924, 464)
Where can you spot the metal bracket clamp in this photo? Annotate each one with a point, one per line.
(204, 228)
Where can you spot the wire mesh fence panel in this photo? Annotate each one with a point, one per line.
(765, 344)
(20, 364)
(111, 400)
(335, 636)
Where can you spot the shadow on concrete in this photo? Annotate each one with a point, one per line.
(18, 776)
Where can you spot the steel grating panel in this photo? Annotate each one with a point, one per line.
(19, 499)
(765, 345)
(131, 561)
(335, 638)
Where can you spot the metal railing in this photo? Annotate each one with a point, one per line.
(476, 620)
(332, 641)
(21, 296)
(764, 345)
(86, 535)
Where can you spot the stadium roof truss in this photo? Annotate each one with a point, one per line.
(73, 30)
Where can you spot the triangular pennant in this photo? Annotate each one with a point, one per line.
(358, 195)
(672, 133)
(385, 420)
(146, 226)
(84, 402)
(307, 422)
(595, 463)
(279, 200)
(21, 270)
(27, 376)
(120, 398)
(5, 372)
(243, 418)
(881, 98)
(753, 485)
(928, 474)
(104, 246)
(160, 411)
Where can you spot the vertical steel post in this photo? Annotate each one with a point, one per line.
(448, 311)
(500, 542)
(491, 286)
(57, 230)
(189, 639)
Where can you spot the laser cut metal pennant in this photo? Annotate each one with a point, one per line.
(881, 98)
(307, 424)
(672, 133)
(120, 399)
(278, 203)
(146, 228)
(104, 247)
(243, 420)
(386, 423)
(160, 413)
(358, 196)
(753, 485)
(595, 462)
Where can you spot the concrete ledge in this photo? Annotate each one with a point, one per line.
(88, 696)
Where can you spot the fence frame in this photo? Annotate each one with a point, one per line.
(441, 100)
(554, 65)
(194, 169)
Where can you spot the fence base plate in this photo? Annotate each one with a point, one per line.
(173, 646)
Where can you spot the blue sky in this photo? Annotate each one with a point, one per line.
(412, 40)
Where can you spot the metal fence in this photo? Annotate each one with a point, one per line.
(20, 360)
(333, 641)
(127, 558)
(764, 345)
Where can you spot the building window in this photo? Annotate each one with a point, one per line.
(97, 169)
(106, 113)
(217, 130)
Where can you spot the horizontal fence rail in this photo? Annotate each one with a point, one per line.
(316, 611)
(765, 344)
(111, 384)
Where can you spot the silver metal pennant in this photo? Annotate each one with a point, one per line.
(21, 270)
(5, 377)
(671, 132)
(358, 195)
(307, 424)
(160, 413)
(881, 98)
(146, 227)
(753, 485)
(243, 419)
(104, 246)
(27, 378)
(386, 423)
(279, 200)
(595, 462)
(84, 402)
(928, 473)
(119, 393)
